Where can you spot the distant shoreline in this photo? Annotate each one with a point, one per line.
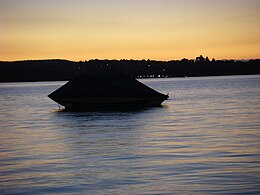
(62, 70)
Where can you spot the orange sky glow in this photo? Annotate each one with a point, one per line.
(123, 29)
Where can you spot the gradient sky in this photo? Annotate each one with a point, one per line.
(129, 29)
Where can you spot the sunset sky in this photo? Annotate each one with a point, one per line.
(129, 29)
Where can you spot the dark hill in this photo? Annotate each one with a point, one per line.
(55, 70)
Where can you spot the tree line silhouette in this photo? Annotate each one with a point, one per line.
(57, 70)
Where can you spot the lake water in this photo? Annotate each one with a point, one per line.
(204, 140)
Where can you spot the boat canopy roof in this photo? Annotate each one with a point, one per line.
(105, 86)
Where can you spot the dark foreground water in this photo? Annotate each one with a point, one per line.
(204, 140)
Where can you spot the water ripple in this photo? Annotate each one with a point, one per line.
(204, 140)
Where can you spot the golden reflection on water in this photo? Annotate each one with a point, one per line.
(203, 141)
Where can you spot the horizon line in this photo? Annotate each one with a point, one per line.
(111, 59)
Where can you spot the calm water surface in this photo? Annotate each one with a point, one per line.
(204, 140)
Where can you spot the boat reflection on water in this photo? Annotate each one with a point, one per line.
(106, 93)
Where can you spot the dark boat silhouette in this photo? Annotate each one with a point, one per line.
(106, 92)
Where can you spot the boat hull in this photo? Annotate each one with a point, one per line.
(108, 103)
